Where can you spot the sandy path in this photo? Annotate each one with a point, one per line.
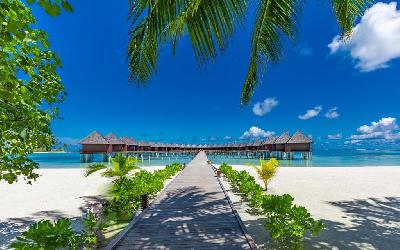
(359, 205)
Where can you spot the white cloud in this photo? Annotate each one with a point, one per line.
(337, 136)
(352, 142)
(374, 41)
(311, 113)
(227, 137)
(256, 132)
(384, 129)
(332, 113)
(262, 108)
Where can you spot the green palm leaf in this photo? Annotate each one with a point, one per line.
(94, 168)
(276, 21)
(210, 25)
(347, 12)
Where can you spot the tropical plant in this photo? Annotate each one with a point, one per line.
(126, 192)
(92, 227)
(30, 87)
(211, 25)
(120, 166)
(285, 222)
(267, 170)
(48, 235)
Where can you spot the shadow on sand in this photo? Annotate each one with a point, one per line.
(375, 224)
(195, 218)
(13, 227)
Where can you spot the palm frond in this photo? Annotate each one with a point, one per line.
(210, 25)
(110, 173)
(347, 12)
(94, 167)
(142, 51)
(276, 21)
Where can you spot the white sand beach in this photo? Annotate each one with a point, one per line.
(57, 193)
(359, 205)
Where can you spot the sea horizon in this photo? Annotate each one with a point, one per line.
(357, 157)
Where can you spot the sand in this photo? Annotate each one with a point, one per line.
(57, 193)
(359, 205)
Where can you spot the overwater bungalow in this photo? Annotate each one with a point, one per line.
(269, 143)
(131, 144)
(282, 146)
(299, 143)
(281, 141)
(117, 145)
(95, 143)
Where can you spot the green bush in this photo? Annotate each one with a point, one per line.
(288, 222)
(127, 191)
(285, 221)
(48, 235)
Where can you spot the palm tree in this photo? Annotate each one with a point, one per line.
(211, 24)
(267, 170)
(121, 166)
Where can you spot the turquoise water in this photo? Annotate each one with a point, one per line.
(72, 160)
(321, 158)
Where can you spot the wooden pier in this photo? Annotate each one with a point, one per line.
(193, 212)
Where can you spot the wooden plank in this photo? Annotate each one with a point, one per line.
(193, 212)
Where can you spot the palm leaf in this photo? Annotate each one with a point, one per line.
(94, 168)
(110, 173)
(347, 12)
(210, 25)
(276, 21)
(142, 51)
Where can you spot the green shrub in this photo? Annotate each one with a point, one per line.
(92, 227)
(48, 235)
(285, 221)
(127, 191)
(288, 222)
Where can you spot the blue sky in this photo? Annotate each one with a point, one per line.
(184, 103)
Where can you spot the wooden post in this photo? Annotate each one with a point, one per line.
(218, 173)
(144, 200)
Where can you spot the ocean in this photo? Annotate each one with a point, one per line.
(321, 158)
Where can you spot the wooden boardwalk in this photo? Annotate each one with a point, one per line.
(193, 212)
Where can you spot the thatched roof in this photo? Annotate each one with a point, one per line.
(270, 140)
(284, 138)
(128, 141)
(94, 138)
(299, 137)
(113, 139)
